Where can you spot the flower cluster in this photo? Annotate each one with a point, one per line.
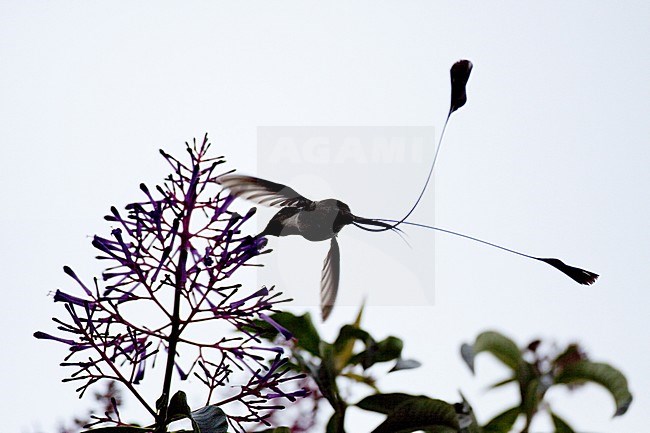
(168, 279)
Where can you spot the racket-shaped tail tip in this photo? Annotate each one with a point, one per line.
(459, 73)
(578, 275)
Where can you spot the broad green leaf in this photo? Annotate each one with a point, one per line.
(350, 333)
(385, 403)
(560, 425)
(344, 344)
(386, 350)
(120, 429)
(503, 422)
(178, 408)
(209, 419)
(498, 345)
(420, 413)
(389, 349)
(603, 374)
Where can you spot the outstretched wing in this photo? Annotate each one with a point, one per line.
(329, 283)
(263, 191)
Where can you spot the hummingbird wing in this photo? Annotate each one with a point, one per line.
(263, 191)
(329, 283)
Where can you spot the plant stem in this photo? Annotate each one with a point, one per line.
(179, 285)
(119, 376)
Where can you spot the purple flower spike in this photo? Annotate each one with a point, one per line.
(71, 273)
(288, 335)
(60, 296)
(289, 395)
(140, 373)
(43, 336)
(260, 293)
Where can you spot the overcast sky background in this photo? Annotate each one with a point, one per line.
(550, 156)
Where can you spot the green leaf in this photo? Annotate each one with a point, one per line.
(178, 408)
(350, 333)
(498, 345)
(531, 399)
(344, 344)
(503, 422)
(603, 374)
(385, 403)
(209, 419)
(120, 429)
(420, 413)
(389, 349)
(386, 350)
(560, 425)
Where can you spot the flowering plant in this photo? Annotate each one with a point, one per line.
(166, 287)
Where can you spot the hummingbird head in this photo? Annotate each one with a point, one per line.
(344, 216)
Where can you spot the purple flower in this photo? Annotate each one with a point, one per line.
(260, 293)
(43, 336)
(60, 296)
(285, 332)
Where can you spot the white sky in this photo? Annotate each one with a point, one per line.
(549, 156)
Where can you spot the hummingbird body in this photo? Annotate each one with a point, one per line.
(318, 221)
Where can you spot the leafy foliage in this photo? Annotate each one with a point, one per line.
(536, 372)
(355, 351)
(344, 359)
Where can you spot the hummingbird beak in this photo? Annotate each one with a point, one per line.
(361, 222)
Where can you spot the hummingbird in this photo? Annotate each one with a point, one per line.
(322, 220)
(313, 220)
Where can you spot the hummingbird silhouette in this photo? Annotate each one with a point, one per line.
(313, 220)
(322, 220)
